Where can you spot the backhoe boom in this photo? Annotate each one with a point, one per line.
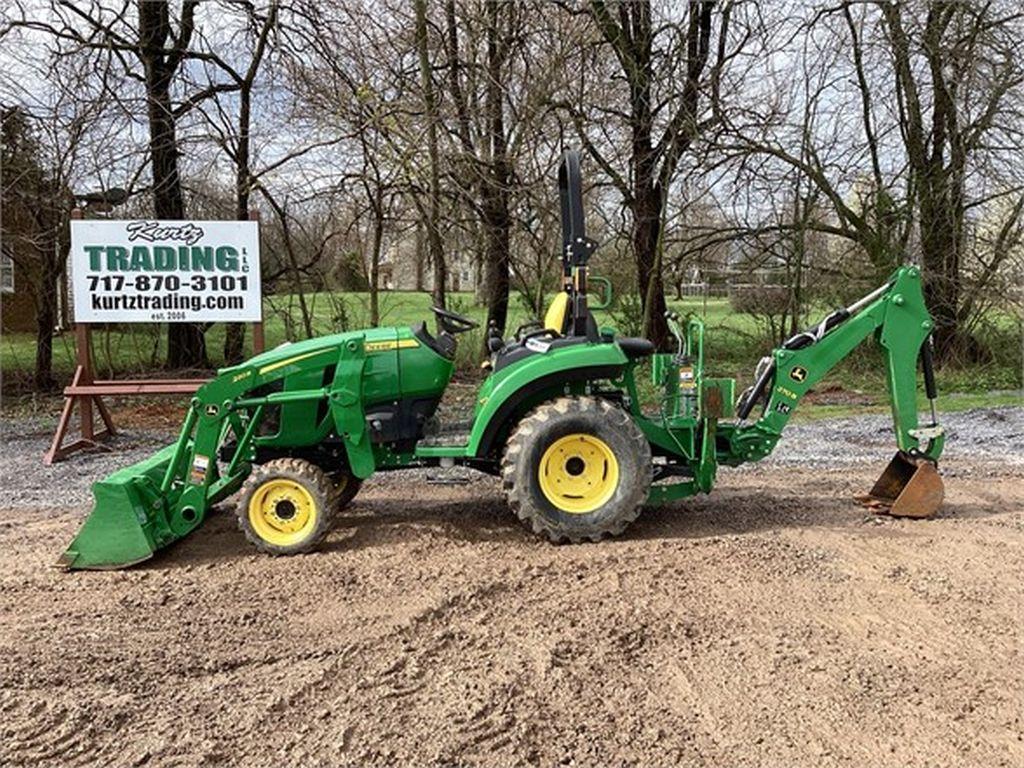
(897, 317)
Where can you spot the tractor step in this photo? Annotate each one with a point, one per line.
(449, 433)
(441, 480)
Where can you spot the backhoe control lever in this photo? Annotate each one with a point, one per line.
(675, 327)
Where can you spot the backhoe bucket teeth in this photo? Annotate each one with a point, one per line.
(909, 487)
(127, 523)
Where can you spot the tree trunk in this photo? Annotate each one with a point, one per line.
(647, 200)
(435, 249)
(186, 344)
(646, 248)
(630, 30)
(496, 183)
(940, 261)
(234, 334)
(941, 190)
(496, 277)
(46, 312)
(374, 270)
(421, 254)
(647, 222)
(938, 183)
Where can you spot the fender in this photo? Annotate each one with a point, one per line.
(516, 385)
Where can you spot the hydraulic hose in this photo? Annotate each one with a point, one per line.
(806, 339)
(754, 394)
(928, 369)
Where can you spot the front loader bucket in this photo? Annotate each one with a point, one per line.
(909, 487)
(127, 523)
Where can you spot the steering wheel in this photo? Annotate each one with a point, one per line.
(453, 323)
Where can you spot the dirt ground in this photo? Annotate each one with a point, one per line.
(772, 623)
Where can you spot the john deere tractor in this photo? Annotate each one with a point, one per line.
(293, 432)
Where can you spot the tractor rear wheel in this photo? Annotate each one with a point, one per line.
(577, 468)
(286, 506)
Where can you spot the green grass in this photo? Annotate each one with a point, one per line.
(733, 344)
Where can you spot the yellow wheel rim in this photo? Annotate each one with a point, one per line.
(282, 512)
(578, 473)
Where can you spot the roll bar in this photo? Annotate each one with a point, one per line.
(576, 246)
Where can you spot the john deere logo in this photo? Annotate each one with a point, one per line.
(798, 373)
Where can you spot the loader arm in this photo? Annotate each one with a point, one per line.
(897, 317)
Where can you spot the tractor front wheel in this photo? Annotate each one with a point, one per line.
(286, 505)
(577, 468)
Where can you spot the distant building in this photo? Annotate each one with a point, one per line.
(404, 267)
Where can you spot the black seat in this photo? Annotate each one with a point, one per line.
(635, 348)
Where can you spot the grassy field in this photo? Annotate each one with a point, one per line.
(734, 342)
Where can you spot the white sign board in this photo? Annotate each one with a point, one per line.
(147, 271)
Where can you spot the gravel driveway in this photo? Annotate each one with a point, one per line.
(992, 435)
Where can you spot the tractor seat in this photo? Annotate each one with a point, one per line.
(634, 348)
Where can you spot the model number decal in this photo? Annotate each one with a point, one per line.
(384, 346)
(787, 392)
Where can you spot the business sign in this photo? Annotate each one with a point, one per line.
(146, 271)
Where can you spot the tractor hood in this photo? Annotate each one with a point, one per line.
(296, 351)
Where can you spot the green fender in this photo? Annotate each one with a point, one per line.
(506, 392)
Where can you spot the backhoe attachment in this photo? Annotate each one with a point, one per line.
(894, 315)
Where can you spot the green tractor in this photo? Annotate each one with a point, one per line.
(296, 430)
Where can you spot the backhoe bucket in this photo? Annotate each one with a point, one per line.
(909, 487)
(127, 523)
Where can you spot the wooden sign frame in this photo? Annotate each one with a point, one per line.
(86, 392)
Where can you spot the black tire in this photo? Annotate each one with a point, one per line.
(533, 448)
(264, 520)
(346, 487)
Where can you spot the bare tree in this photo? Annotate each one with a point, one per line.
(435, 250)
(151, 49)
(662, 116)
(233, 126)
(938, 89)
